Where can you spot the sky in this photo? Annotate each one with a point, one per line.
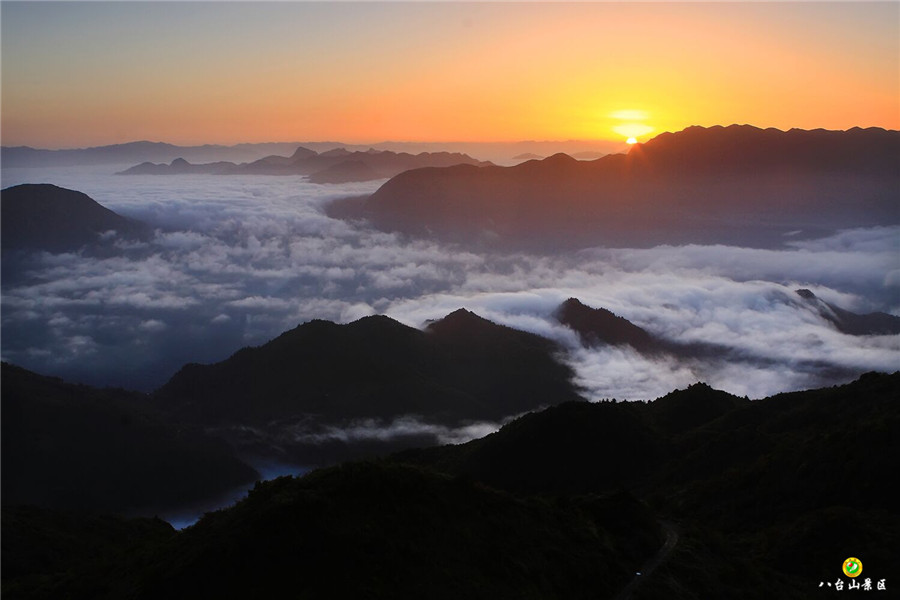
(79, 74)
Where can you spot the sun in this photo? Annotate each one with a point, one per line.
(632, 129)
(631, 124)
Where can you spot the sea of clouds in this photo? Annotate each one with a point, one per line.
(237, 260)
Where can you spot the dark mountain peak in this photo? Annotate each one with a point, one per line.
(463, 313)
(377, 322)
(180, 162)
(46, 194)
(692, 392)
(700, 386)
(693, 406)
(54, 219)
(560, 158)
(373, 329)
(596, 326)
(572, 304)
(302, 152)
(851, 323)
(464, 327)
(462, 322)
(462, 367)
(741, 147)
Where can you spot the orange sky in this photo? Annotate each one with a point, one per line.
(89, 73)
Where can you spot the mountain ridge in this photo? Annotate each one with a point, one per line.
(733, 185)
(845, 321)
(338, 165)
(46, 217)
(457, 370)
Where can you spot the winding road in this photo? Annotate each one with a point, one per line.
(648, 567)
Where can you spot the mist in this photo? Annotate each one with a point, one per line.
(235, 261)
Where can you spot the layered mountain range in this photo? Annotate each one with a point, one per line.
(754, 485)
(732, 185)
(133, 153)
(25, 156)
(338, 165)
(698, 490)
(319, 393)
(696, 476)
(698, 493)
(598, 326)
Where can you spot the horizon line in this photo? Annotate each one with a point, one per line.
(423, 142)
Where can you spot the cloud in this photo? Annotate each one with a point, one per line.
(236, 261)
(375, 430)
(152, 325)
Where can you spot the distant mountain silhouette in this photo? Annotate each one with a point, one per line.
(45, 217)
(345, 172)
(383, 163)
(596, 326)
(527, 156)
(459, 369)
(743, 149)
(338, 165)
(179, 166)
(878, 323)
(134, 152)
(77, 447)
(732, 185)
(588, 155)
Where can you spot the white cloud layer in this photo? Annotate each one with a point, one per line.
(238, 260)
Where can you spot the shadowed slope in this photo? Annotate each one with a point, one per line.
(385, 531)
(596, 326)
(462, 367)
(46, 217)
(851, 323)
(734, 185)
(749, 481)
(73, 446)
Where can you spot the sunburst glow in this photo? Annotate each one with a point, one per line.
(632, 129)
(696, 64)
